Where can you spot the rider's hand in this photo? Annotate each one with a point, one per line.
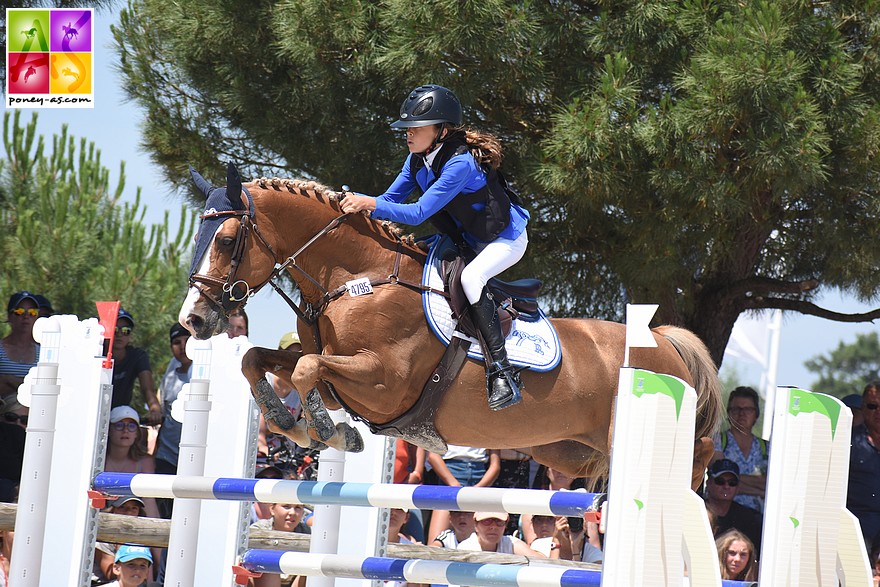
(357, 203)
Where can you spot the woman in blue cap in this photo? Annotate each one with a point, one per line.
(456, 170)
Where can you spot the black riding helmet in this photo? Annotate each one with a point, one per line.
(427, 105)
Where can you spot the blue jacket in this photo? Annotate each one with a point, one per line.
(461, 174)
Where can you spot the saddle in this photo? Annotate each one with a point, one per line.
(515, 299)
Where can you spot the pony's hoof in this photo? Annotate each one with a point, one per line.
(353, 440)
(321, 421)
(315, 445)
(274, 412)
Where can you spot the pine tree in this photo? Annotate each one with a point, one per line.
(714, 157)
(65, 233)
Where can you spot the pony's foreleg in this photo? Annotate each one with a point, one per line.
(254, 365)
(362, 371)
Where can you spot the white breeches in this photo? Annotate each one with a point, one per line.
(494, 258)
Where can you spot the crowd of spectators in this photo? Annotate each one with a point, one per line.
(734, 490)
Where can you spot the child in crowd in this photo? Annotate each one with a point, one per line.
(397, 519)
(489, 536)
(461, 526)
(552, 536)
(286, 517)
(105, 552)
(126, 451)
(737, 557)
(133, 566)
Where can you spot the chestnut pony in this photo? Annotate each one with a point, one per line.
(377, 352)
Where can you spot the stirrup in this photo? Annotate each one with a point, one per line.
(510, 376)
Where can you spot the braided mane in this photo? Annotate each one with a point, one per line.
(315, 190)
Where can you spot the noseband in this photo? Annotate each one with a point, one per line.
(229, 301)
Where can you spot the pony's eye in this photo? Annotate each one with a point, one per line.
(227, 241)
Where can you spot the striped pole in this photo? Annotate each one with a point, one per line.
(425, 571)
(469, 499)
(418, 571)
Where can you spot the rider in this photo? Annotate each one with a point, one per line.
(455, 169)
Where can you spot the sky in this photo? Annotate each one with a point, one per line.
(114, 126)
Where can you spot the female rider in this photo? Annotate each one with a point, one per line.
(455, 169)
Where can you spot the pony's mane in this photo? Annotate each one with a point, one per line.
(317, 191)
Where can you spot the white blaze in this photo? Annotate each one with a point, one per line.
(193, 293)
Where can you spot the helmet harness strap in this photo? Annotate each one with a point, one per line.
(436, 139)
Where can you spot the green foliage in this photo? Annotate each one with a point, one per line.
(711, 156)
(848, 368)
(67, 235)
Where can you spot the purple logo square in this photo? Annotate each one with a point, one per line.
(71, 30)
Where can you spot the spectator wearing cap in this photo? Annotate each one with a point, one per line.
(126, 452)
(397, 519)
(284, 388)
(178, 374)
(266, 441)
(863, 493)
(724, 480)
(131, 363)
(745, 449)
(18, 351)
(105, 552)
(133, 566)
(854, 402)
(489, 536)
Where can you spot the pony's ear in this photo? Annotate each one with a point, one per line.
(233, 186)
(201, 182)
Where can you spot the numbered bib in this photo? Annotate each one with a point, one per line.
(359, 287)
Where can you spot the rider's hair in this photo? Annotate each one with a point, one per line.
(484, 146)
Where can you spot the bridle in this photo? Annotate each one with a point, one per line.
(230, 300)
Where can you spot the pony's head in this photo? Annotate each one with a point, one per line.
(224, 252)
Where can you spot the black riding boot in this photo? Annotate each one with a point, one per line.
(502, 381)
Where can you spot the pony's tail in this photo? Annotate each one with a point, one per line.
(705, 375)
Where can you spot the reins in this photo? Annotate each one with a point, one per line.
(311, 310)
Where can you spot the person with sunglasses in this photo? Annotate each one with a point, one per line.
(724, 483)
(741, 446)
(18, 351)
(131, 364)
(864, 467)
(127, 449)
(489, 536)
